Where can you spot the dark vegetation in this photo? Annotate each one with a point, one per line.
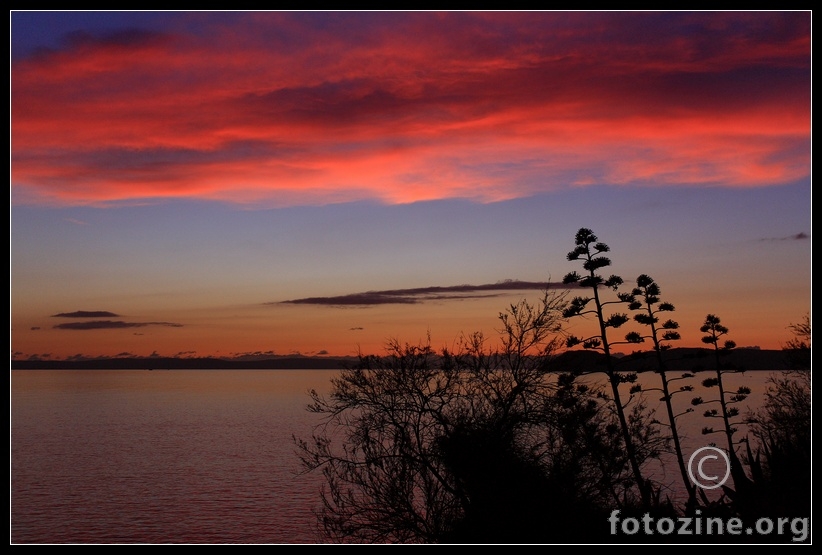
(510, 441)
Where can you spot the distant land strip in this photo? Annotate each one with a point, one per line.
(174, 363)
(677, 360)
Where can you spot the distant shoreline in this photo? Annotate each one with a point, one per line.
(171, 363)
(682, 359)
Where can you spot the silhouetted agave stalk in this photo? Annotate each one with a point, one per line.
(715, 331)
(589, 250)
(646, 300)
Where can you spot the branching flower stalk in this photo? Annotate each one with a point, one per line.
(589, 250)
(714, 331)
(650, 307)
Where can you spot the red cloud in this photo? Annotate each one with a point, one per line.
(403, 107)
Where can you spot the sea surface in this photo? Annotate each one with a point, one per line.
(189, 456)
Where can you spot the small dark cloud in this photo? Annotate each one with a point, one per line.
(35, 328)
(357, 328)
(422, 294)
(86, 314)
(111, 325)
(801, 236)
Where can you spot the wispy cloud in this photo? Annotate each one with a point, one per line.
(111, 325)
(315, 108)
(801, 236)
(423, 294)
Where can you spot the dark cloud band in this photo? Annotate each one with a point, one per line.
(422, 294)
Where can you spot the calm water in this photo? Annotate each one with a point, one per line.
(199, 456)
(160, 457)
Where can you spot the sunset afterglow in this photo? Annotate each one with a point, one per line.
(179, 179)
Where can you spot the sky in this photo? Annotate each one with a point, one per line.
(322, 183)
